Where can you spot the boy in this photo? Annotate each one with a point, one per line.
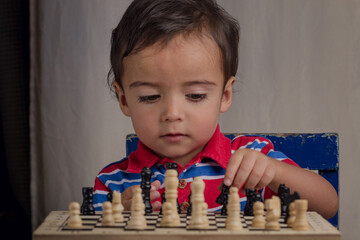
(174, 64)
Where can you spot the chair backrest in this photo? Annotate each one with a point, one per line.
(314, 151)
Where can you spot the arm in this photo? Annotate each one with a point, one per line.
(248, 168)
(320, 193)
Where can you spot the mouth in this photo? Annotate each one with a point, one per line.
(173, 137)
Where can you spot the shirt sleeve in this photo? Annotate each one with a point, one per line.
(106, 182)
(100, 192)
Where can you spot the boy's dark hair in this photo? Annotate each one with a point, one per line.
(147, 22)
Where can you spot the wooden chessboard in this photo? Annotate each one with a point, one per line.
(54, 227)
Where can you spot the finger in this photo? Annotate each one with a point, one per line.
(126, 204)
(128, 193)
(126, 197)
(267, 177)
(232, 167)
(244, 170)
(156, 206)
(256, 174)
(155, 185)
(154, 195)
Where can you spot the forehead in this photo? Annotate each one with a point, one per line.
(185, 55)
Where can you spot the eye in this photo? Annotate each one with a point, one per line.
(196, 97)
(149, 99)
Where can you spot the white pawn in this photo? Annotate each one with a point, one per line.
(167, 219)
(292, 214)
(259, 219)
(117, 207)
(74, 219)
(137, 218)
(233, 221)
(108, 219)
(301, 223)
(205, 207)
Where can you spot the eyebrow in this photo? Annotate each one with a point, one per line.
(138, 84)
(190, 83)
(200, 82)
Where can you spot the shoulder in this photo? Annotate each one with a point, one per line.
(254, 142)
(121, 164)
(109, 172)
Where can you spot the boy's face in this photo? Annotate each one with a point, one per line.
(174, 95)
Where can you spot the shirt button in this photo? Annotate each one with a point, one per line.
(182, 183)
(184, 206)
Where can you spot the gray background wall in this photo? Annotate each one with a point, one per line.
(298, 72)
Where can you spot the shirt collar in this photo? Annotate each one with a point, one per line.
(218, 149)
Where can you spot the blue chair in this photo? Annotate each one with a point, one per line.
(318, 152)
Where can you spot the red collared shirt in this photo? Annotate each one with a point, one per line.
(210, 165)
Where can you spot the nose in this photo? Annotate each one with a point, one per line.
(172, 110)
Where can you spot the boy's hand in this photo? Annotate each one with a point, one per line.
(127, 195)
(249, 169)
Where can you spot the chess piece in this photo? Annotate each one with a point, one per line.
(86, 207)
(171, 183)
(137, 217)
(259, 219)
(109, 197)
(204, 207)
(163, 200)
(74, 219)
(107, 219)
(172, 165)
(287, 200)
(301, 223)
(223, 199)
(272, 214)
(145, 187)
(189, 210)
(168, 218)
(283, 193)
(233, 221)
(252, 196)
(292, 214)
(117, 207)
(199, 207)
(277, 206)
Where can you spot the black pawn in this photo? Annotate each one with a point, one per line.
(223, 199)
(146, 186)
(252, 196)
(87, 208)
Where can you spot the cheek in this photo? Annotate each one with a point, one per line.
(206, 117)
(143, 121)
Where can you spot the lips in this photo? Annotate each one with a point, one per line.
(173, 137)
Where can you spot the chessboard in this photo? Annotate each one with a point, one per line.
(55, 227)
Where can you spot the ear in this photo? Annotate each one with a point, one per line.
(226, 99)
(122, 99)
